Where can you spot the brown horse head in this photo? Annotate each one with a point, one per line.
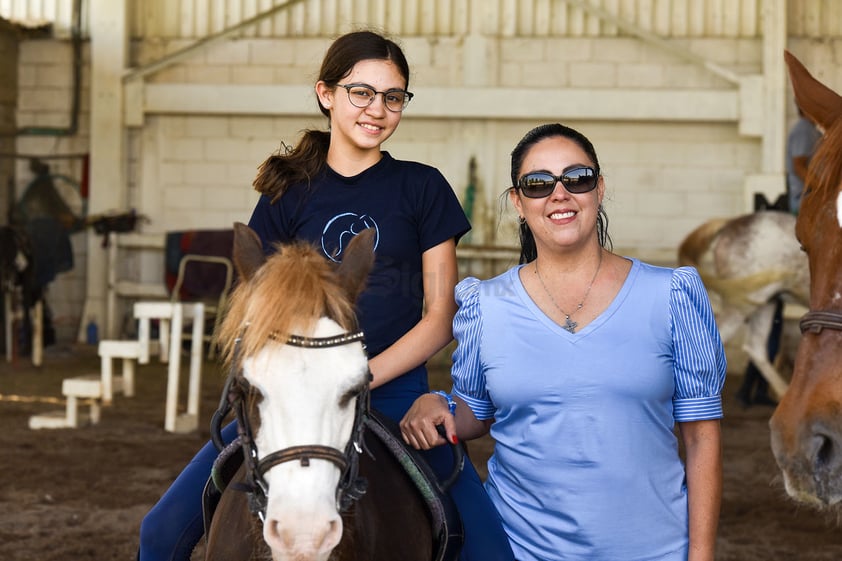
(806, 428)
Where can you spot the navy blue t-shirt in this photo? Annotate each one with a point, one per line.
(412, 208)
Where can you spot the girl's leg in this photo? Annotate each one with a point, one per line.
(173, 527)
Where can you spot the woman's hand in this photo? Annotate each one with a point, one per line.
(418, 426)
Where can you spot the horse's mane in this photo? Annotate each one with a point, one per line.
(825, 169)
(287, 295)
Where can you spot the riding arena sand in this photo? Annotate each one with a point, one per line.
(80, 494)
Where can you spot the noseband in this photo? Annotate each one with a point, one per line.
(815, 321)
(235, 396)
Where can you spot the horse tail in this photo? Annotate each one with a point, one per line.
(693, 248)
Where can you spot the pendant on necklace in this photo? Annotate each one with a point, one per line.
(569, 325)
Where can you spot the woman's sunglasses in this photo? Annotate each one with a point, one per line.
(539, 184)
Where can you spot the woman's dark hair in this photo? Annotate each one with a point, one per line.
(528, 251)
(304, 161)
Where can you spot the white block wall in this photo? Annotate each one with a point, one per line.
(185, 172)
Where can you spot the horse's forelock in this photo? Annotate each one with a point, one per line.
(294, 288)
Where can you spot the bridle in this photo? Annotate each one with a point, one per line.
(351, 486)
(815, 321)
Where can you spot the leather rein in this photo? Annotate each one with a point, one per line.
(816, 321)
(236, 395)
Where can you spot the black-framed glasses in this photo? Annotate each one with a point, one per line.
(577, 180)
(362, 95)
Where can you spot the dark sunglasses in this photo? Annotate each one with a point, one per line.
(539, 184)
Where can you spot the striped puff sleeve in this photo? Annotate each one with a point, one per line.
(698, 354)
(467, 371)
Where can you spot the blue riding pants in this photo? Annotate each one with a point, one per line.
(173, 527)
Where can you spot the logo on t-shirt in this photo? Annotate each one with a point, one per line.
(341, 229)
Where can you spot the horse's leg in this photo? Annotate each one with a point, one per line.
(9, 323)
(729, 321)
(756, 346)
(37, 314)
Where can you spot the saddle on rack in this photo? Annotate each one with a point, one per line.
(444, 518)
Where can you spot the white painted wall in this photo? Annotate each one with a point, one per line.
(664, 175)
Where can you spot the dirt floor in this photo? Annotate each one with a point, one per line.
(79, 494)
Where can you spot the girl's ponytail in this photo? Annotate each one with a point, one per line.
(288, 165)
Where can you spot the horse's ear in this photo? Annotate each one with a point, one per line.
(357, 260)
(248, 251)
(818, 102)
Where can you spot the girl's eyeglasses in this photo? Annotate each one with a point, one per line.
(362, 95)
(577, 180)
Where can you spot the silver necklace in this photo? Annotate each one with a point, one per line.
(569, 324)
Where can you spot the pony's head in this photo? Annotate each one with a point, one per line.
(301, 379)
(806, 428)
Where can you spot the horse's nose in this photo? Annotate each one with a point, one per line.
(319, 538)
(823, 448)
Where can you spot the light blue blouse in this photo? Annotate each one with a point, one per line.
(586, 463)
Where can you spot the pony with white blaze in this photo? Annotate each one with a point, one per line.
(301, 516)
(310, 488)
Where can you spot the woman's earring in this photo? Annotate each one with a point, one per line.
(521, 220)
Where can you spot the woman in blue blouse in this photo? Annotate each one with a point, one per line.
(580, 363)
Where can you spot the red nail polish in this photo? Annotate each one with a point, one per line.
(454, 439)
